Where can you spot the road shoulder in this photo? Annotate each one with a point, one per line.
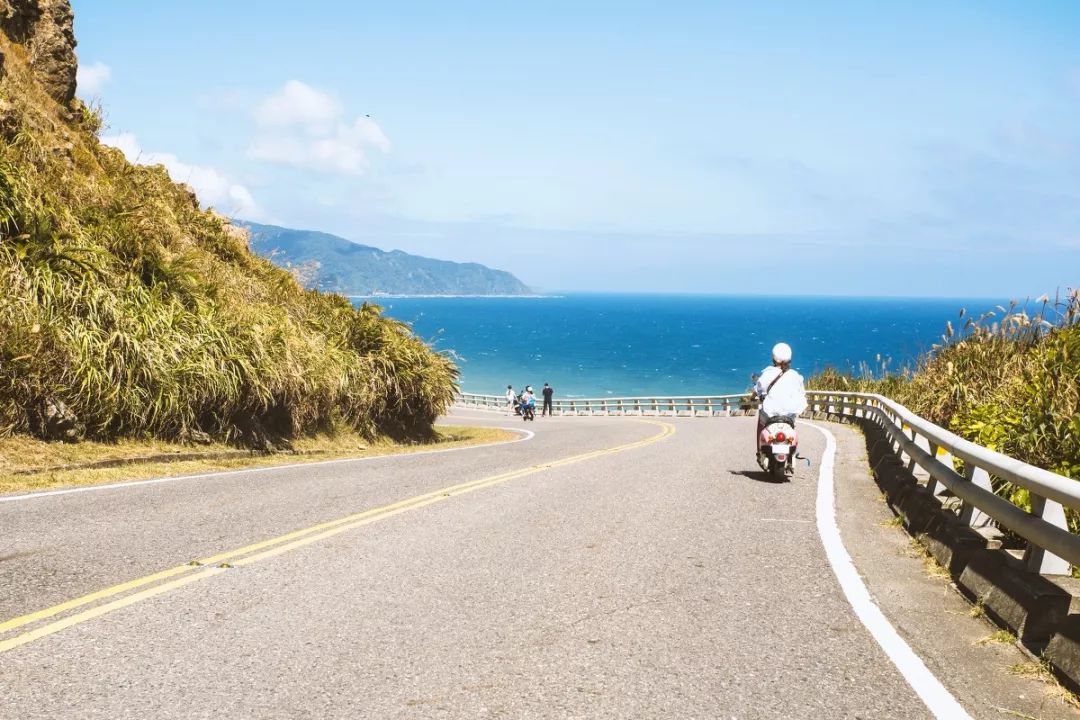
(28, 465)
(963, 651)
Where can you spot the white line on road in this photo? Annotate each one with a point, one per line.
(929, 689)
(525, 435)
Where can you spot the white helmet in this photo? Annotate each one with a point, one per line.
(781, 353)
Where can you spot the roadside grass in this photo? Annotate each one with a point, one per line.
(1008, 380)
(28, 465)
(932, 568)
(978, 609)
(999, 637)
(894, 522)
(1040, 670)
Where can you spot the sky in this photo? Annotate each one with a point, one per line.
(835, 147)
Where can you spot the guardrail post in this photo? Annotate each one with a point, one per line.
(1036, 559)
(970, 514)
(932, 483)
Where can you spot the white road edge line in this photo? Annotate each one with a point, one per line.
(525, 436)
(934, 695)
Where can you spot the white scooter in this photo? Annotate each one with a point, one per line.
(777, 444)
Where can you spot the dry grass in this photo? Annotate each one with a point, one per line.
(894, 522)
(999, 637)
(312, 449)
(1040, 670)
(978, 608)
(932, 568)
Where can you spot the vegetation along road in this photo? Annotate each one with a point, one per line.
(606, 567)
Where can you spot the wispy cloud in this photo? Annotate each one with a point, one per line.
(308, 128)
(210, 185)
(91, 79)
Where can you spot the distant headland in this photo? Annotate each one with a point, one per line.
(327, 262)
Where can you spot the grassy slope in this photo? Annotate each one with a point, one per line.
(147, 316)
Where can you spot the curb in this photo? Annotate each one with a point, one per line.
(1031, 606)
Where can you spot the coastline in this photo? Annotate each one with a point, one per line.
(422, 297)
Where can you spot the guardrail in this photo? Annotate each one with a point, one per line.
(685, 406)
(1051, 548)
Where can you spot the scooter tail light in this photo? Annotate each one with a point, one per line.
(781, 436)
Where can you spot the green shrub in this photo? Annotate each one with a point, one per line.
(1008, 380)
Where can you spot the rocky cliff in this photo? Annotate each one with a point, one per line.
(45, 30)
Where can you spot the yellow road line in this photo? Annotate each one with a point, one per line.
(229, 555)
(279, 545)
(55, 627)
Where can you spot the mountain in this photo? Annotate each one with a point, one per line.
(328, 262)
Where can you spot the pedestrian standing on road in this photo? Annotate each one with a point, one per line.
(510, 399)
(548, 392)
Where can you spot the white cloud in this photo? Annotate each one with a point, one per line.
(305, 127)
(298, 105)
(90, 79)
(211, 186)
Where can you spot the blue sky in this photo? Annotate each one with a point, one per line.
(795, 148)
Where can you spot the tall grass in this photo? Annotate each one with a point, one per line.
(144, 314)
(1008, 380)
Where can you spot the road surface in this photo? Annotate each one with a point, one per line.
(604, 568)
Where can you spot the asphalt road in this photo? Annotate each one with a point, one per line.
(606, 568)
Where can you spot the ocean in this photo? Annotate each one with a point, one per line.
(598, 345)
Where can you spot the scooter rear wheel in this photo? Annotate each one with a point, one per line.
(776, 470)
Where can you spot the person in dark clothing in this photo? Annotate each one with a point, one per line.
(548, 392)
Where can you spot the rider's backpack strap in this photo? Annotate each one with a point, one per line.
(775, 380)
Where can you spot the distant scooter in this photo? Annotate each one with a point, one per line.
(528, 411)
(777, 444)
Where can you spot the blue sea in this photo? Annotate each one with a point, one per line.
(624, 345)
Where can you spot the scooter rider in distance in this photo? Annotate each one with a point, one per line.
(782, 395)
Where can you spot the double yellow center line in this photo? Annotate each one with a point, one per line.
(181, 575)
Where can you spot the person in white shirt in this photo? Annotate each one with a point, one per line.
(509, 399)
(779, 388)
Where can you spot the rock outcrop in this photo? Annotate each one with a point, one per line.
(46, 29)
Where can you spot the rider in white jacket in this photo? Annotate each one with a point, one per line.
(780, 388)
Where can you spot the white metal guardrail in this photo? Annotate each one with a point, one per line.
(1051, 547)
(687, 406)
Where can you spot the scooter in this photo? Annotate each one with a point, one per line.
(528, 412)
(777, 445)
